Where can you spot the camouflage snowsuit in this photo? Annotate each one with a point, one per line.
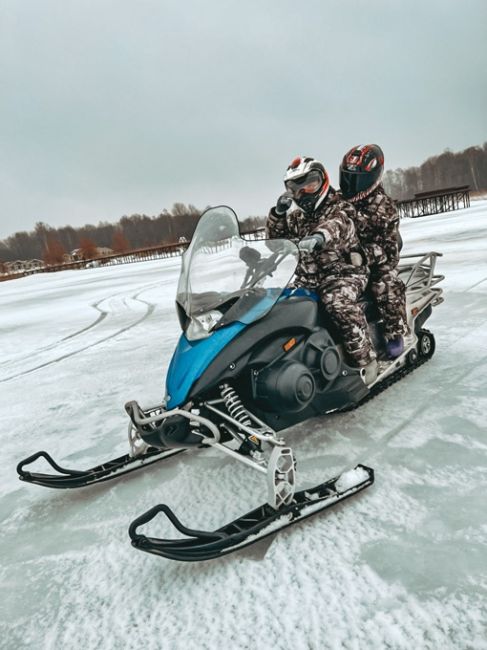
(377, 225)
(329, 271)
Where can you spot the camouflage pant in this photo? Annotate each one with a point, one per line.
(340, 296)
(390, 295)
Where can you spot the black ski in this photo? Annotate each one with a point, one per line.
(250, 528)
(71, 478)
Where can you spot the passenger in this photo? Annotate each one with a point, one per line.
(330, 261)
(377, 225)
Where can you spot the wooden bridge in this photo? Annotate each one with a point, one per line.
(435, 201)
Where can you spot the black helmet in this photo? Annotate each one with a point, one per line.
(361, 171)
(307, 181)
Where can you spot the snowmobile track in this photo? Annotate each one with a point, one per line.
(386, 383)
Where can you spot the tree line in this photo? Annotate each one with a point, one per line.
(130, 232)
(468, 167)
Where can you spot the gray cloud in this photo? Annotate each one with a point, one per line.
(110, 107)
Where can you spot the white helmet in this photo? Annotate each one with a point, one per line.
(307, 181)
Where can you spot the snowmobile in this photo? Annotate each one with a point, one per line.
(256, 357)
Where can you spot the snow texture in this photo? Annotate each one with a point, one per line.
(350, 479)
(401, 565)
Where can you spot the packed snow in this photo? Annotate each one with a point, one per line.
(401, 565)
(351, 478)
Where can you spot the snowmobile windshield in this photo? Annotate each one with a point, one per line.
(225, 278)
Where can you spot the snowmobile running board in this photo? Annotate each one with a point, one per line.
(250, 528)
(71, 478)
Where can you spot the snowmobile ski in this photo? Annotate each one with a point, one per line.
(70, 478)
(250, 528)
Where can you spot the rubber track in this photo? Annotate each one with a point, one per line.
(389, 381)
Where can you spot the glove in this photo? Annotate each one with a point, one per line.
(283, 204)
(312, 242)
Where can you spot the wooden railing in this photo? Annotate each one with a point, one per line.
(138, 255)
(435, 202)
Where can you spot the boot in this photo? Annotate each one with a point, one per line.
(395, 347)
(370, 372)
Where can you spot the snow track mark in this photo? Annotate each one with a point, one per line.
(476, 284)
(101, 317)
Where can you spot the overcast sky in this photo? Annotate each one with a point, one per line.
(111, 107)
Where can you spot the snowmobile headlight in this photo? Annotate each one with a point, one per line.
(200, 326)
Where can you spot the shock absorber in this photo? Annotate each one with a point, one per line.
(234, 405)
(238, 412)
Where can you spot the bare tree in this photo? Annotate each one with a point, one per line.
(88, 248)
(468, 167)
(54, 251)
(120, 243)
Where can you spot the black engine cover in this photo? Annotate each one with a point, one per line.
(287, 383)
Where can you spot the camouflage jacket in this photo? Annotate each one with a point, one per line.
(334, 219)
(377, 225)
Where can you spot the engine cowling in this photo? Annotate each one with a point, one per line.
(286, 385)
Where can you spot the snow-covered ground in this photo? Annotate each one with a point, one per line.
(402, 565)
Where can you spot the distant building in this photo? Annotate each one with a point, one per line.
(76, 255)
(34, 265)
(13, 267)
(103, 251)
(19, 266)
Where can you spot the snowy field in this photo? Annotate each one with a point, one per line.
(401, 566)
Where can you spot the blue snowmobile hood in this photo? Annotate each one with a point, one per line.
(192, 358)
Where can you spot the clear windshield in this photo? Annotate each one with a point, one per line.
(225, 278)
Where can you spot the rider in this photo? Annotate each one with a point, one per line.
(377, 224)
(330, 262)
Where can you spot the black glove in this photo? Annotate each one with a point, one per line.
(283, 204)
(312, 242)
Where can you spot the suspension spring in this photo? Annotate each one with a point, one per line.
(234, 405)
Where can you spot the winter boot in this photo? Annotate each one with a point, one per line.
(395, 347)
(370, 372)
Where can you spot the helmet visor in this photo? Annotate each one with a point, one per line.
(308, 184)
(353, 183)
